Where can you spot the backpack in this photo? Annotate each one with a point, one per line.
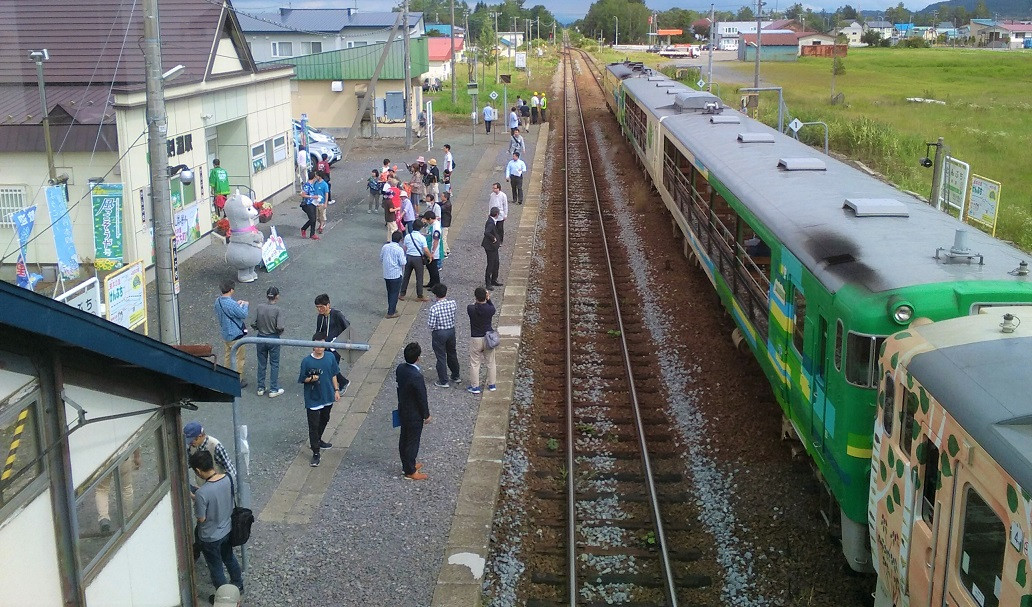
(524, 110)
(374, 185)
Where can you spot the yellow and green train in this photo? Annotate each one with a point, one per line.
(816, 261)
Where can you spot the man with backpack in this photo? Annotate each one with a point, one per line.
(213, 507)
(525, 116)
(516, 143)
(332, 322)
(432, 178)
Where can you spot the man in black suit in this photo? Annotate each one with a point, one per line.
(491, 242)
(413, 410)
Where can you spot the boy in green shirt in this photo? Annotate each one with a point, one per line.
(218, 179)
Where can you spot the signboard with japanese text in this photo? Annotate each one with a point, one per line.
(86, 297)
(954, 186)
(187, 225)
(107, 225)
(61, 225)
(126, 293)
(274, 251)
(984, 201)
(521, 60)
(23, 221)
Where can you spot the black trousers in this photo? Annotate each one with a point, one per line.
(317, 421)
(341, 379)
(491, 274)
(500, 230)
(313, 216)
(408, 445)
(443, 341)
(517, 188)
(435, 274)
(413, 263)
(533, 115)
(487, 123)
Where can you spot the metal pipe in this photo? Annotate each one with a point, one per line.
(781, 102)
(824, 124)
(451, 37)
(408, 76)
(39, 57)
(712, 27)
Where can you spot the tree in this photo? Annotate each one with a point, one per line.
(745, 14)
(847, 12)
(981, 11)
(794, 12)
(898, 14)
(871, 37)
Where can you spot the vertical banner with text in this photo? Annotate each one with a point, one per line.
(61, 225)
(23, 222)
(107, 225)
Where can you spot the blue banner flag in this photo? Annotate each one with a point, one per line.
(61, 224)
(23, 222)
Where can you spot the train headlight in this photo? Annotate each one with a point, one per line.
(903, 313)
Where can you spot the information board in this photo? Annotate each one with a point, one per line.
(85, 296)
(107, 201)
(521, 60)
(953, 188)
(126, 294)
(274, 251)
(984, 201)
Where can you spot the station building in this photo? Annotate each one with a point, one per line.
(94, 500)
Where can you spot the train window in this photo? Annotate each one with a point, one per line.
(982, 547)
(906, 429)
(820, 353)
(861, 356)
(931, 481)
(838, 345)
(799, 301)
(888, 404)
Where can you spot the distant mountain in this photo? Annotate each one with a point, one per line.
(1013, 9)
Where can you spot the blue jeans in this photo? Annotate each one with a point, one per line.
(393, 290)
(443, 341)
(219, 553)
(271, 355)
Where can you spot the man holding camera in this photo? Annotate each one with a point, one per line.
(319, 376)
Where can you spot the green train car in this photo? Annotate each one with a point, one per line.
(816, 261)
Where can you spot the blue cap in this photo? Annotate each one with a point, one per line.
(192, 430)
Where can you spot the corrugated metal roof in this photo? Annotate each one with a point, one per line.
(85, 40)
(94, 336)
(318, 20)
(440, 49)
(358, 63)
(773, 39)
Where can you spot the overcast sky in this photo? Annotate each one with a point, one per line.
(573, 9)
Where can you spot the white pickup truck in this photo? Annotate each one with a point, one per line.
(673, 52)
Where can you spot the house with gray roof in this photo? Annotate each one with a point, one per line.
(296, 32)
(882, 27)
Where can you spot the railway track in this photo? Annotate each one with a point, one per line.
(617, 518)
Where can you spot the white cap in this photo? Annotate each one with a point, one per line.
(404, 194)
(227, 595)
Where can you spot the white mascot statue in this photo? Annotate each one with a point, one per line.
(244, 251)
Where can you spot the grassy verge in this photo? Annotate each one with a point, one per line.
(541, 71)
(987, 119)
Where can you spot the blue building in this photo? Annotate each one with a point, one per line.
(94, 502)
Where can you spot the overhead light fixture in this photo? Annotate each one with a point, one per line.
(173, 73)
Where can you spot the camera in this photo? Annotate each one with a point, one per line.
(313, 373)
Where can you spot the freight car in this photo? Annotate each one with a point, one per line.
(952, 467)
(816, 261)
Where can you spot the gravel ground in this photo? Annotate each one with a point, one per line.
(376, 539)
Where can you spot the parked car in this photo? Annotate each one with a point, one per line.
(319, 143)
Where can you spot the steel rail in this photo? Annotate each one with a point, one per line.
(571, 499)
(661, 541)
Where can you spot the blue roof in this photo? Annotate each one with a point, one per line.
(444, 28)
(47, 318)
(989, 22)
(317, 20)
(903, 27)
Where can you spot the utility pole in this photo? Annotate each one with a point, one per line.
(494, 45)
(161, 197)
(712, 39)
(528, 52)
(937, 170)
(408, 77)
(759, 23)
(39, 57)
(454, 99)
(616, 39)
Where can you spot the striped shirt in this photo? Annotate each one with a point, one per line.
(442, 315)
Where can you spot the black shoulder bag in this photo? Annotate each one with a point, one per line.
(240, 521)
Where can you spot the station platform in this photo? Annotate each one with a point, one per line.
(353, 531)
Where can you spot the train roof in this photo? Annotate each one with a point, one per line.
(805, 209)
(980, 375)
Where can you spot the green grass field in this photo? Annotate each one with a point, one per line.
(986, 122)
(541, 71)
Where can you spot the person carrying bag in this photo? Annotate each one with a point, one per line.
(480, 312)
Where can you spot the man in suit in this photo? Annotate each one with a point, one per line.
(413, 411)
(491, 242)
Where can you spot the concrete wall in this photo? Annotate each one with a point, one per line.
(335, 111)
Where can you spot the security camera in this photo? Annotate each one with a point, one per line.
(926, 162)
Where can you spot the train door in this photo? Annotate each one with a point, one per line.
(928, 517)
(819, 383)
(978, 537)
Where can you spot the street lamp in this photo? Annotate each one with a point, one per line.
(39, 57)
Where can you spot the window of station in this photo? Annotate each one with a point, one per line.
(930, 484)
(861, 356)
(22, 451)
(982, 546)
(114, 501)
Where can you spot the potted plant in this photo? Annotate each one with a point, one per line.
(222, 227)
(264, 212)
